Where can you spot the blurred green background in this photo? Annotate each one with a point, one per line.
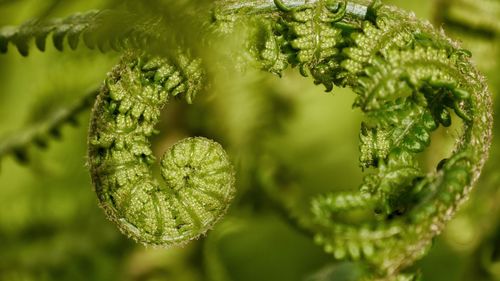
(284, 135)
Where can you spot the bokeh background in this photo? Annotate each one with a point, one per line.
(288, 138)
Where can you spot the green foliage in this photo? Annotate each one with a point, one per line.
(105, 30)
(480, 17)
(475, 24)
(84, 25)
(40, 133)
(409, 79)
(398, 84)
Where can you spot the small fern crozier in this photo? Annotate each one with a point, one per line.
(199, 178)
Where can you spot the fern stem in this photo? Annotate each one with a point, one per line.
(356, 9)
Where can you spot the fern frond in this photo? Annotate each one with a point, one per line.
(409, 78)
(40, 133)
(198, 175)
(399, 115)
(406, 90)
(105, 30)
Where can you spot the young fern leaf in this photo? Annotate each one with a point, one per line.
(199, 178)
(394, 91)
(409, 79)
(40, 133)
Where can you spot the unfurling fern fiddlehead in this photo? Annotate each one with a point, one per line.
(409, 79)
(198, 175)
(407, 88)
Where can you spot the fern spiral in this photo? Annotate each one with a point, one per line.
(409, 80)
(199, 178)
(407, 88)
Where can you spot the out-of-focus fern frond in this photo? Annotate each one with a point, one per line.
(472, 16)
(41, 132)
(102, 29)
